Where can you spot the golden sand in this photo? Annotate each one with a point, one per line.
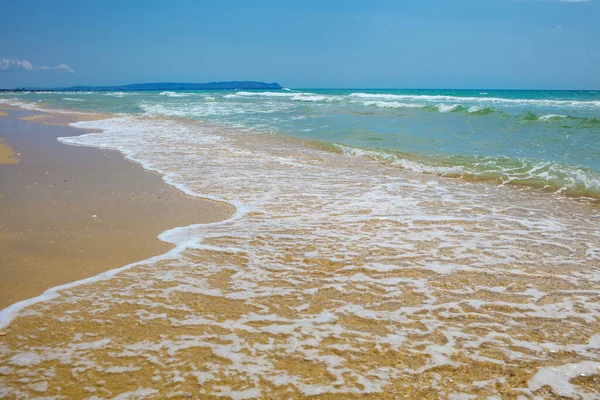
(3, 114)
(280, 315)
(7, 154)
(68, 213)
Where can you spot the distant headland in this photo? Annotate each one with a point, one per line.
(233, 85)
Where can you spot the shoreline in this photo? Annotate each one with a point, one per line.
(411, 275)
(62, 198)
(568, 180)
(7, 154)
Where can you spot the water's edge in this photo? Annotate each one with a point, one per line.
(11, 312)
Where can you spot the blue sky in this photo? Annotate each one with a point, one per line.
(303, 44)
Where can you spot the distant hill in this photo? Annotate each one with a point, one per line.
(233, 85)
(181, 86)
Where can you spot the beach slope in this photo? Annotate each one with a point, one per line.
(69, 213)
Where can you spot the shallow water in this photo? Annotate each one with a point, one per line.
(544, 139)
(339, 275)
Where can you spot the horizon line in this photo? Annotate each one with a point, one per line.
(91, 87)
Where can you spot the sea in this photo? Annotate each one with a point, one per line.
(386, 243)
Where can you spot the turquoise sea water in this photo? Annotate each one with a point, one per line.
(545, 139)
(338, 275)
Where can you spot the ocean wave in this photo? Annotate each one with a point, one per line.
(392, 104)
(444, 108)
(310, 97)
(15, 102)
(551, 116)
(404, 163)
(261, 94)
(153, 110)
(119, 94)
(529, 116)
(558, 177)
(470, 105)
(199, 109)
(291, 95)
(572, 180)
(71, 99)
(62, 92)
(173, 94)
(493, 100)
(478, 110)
(338, 276)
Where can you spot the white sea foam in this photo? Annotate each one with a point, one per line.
(203, 108)
(62, 92)
(293, 96)
(447, 107)
(310, 97)
(392, 104)
(173, 94)
(120, 94)
(558, 378)
(551, 116)
(371, 260)
(15, 102)
(562, 177)
(442, 103)
(402, 162)
(262, 94)
(35, 106)
(484, 100)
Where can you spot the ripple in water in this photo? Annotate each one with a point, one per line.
(338, 276)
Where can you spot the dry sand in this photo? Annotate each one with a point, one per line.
(68, 213)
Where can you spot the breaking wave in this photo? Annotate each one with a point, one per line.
(571, 180)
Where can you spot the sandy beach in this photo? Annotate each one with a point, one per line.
(7, 154)
(340, 276)
(69, 213)
(300, 200)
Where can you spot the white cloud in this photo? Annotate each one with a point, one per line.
(7, 65)
(61, 66)
(14, 65)
(557, 29)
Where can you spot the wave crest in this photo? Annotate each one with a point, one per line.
(571, 180)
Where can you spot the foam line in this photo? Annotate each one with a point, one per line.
(9, 313)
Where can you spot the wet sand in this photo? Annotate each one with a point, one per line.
(7, 154)
(68, 213)
(486, 293)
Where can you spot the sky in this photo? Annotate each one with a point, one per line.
(503, 44)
